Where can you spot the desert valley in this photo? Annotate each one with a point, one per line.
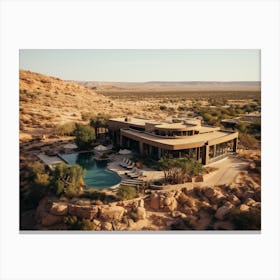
(166, 193)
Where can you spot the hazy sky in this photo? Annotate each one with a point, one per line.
(144, 64)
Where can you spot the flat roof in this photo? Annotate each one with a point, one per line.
(175, 125)
(164, 124)
(181, 143)
(136, 121)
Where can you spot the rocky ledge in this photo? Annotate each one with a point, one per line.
(226, 207)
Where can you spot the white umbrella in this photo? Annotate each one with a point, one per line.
(124, 152)
(100, 148)
(70, 146)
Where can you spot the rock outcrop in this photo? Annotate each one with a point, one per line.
(195, 208)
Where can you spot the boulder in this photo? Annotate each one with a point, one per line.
(110, 213)
(106, 226)
(50, 219)
(248, 194)
(209, 192)
(173, 204)
(205, 205)
(87, 212)
(96, 222)
(167, 201)
(187, 210)
(257, 205)
(219, 199)
(182, 198)
(249, 202)
(233, 199)
(141, 213)
(244, 207)
(229, 205)
(178, 214)
(198, 179)
(59, 209)
(221, 212)
(154, 201)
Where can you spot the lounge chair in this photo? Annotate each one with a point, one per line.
(134, 169)
(136, 175)
(124, 162)
(131, 165)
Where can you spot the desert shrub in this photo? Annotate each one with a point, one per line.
(242, 127)
(248, 108)
(35, 169)
(65, 129)
(86, 116)
(177, 171)
(182, 108)
(94, 194)
(163, 107)
(85, 136)
(127, 192)
(247, 140)
(67, 179)
(255, 127)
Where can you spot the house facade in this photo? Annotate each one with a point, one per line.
(179, 138)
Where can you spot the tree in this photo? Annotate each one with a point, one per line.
(68, 179)
(39, 181)
(84, 136)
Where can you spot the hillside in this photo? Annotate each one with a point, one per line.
(48, 101)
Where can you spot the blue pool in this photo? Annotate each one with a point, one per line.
(97, 174)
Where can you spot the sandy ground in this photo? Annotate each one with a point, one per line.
(228, 169)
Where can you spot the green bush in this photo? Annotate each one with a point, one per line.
(67, 179)
(94, 194)
(85, 136)
(127, 192)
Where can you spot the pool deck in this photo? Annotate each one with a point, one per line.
(148, 174)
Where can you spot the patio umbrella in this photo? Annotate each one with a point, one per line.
(124, 152)
(100, 148)
(70, 146)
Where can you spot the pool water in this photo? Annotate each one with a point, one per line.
(97, 174)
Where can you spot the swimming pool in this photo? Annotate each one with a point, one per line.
(97, 174)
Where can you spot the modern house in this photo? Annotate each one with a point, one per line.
(178, 138)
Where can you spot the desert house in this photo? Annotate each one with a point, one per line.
(178, 138)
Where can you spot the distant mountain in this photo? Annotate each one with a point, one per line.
(168, 85)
